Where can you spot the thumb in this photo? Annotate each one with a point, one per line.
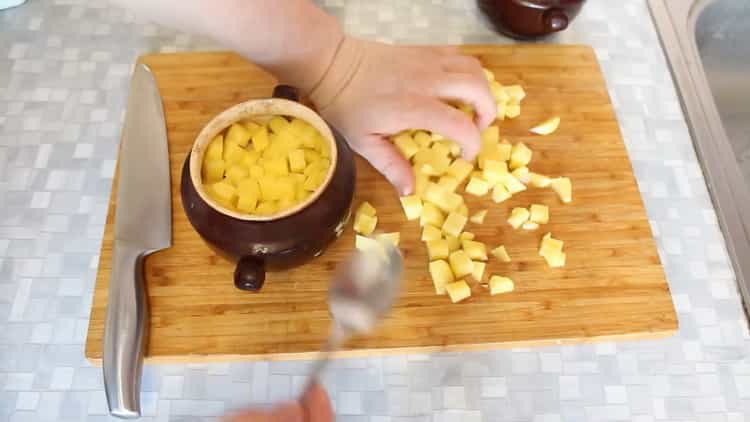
(388, 161)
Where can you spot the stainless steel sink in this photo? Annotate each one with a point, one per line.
(707, 43)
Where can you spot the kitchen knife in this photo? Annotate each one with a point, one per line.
(143, 225)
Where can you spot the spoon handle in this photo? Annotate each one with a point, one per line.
(336, 337)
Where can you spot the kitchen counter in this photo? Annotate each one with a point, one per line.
(64, 73)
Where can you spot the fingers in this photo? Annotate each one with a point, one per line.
(317, 405)
(461, 64)
(291, 412)
(388, 161)
(471, 89)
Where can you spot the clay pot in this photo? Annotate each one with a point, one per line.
(527, 19)
(290, 238)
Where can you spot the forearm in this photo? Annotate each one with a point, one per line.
(293, 39)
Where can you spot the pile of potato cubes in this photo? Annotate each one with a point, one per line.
(500, 171)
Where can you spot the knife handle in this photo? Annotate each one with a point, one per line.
(125, 331)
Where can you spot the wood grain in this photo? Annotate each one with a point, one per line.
(613, 286)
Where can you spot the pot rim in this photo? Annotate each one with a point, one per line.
(259, 110)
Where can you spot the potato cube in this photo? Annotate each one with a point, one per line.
(466, 236)
(461, 263)
(500, 193)
(515, 93)
(518, 216)
(323, 146)
(453, 243)
(297, 160)
(495, 153)
(477, 251)
(442, 198)
(248, 187)
(488, 74)
(313, 181)
(215, 149)
(365, 224)
(278, 124)
(555, 259)
(247, 203)
(500, 110)
(233, 153)
(539, 213)
(478, 187)
(505, 150)
(550, 245)
(311, 156)
(393, 238)
(236, 173)
(238, 134)
(530, 225)
(422, 139)
(224, 193)
(213, 171)
(421, 181)
(436, 136)
(490, 135)
(431, 215)
(250, 158)
(512, 185)
(478, 217)
(494, 171)
(512, 110)
(478, 272)
(267, 208)
(412, 206)
(260, 140)
(498, 92)
(364, 243)
(430, 233)
(437, 249)
(500, 285)
(463, 210)
(563, 188)
(460, 169)
(538, 180)
(366, 208)
(501, 254)
(441, 275)
(405, 144)
(522, 174)
(458, 291)
(520, 155)
(448, 182)
(441, 149)
(268, 189)
(298, 126)
(276, 166)
(435, 166)
(256, 172)
(454, 224)
(546, 127)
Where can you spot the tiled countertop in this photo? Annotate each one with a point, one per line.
(64, 70)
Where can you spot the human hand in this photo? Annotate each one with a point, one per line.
(372, 90)
(314, 406)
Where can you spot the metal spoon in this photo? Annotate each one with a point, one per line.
(362, 291)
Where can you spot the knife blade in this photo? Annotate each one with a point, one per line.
(143, 225)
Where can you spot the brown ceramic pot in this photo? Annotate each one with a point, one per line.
(526, 19)
(277, 242)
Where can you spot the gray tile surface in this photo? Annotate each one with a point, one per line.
(64, 67)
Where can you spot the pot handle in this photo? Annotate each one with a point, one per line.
(250, 273)
(286, 92)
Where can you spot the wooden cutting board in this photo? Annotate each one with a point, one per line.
(613, 286)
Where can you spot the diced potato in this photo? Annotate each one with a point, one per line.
(441, 275)
(311, 156)
(461, 263)
(513, 185)
(501, 110)
(477, 186)
(550, 245)
(437, 249)
(394, 238)
(431, 215)
(453, 243)
(405, 144)
(538, 180)
(269, 188)
(494, 171)
(365, 224)
(478, 272)
(453, 147)
(298, 126)
(493, 153)
(520, 155)
(441, 149)
(458, 291)
(500, 285)
(215, 149)
(251, 158)
(313, 181)
(224, 192)
(436, 137)
(500, 193)
(267, 208)
(233, 153)
(530, 225)
(412, 206)
(522, 174)
(504, 149)
(454, 224)
(436, 165)
(515, 93)
(501, 254)
(466, 236)
(364, 243)
(512, 110)
(488, 74)
(260, 139)
(442, 198)
(278, 124)
(256, 172)
(430, 233)
(555, 259)
(490, 135)
(236, 173)
(546, 127)
(422, 139)
(498, 93)
(539, 213)
(276, 166)
(247, 203)
(238, 134)
(460, 169)
(478, 217)
(563, 188)
(213, 171)
(448, 182)
(518, 216)
(366, 208)
(297, 160)
(421, 181)
(463, 210)
(477, 251)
